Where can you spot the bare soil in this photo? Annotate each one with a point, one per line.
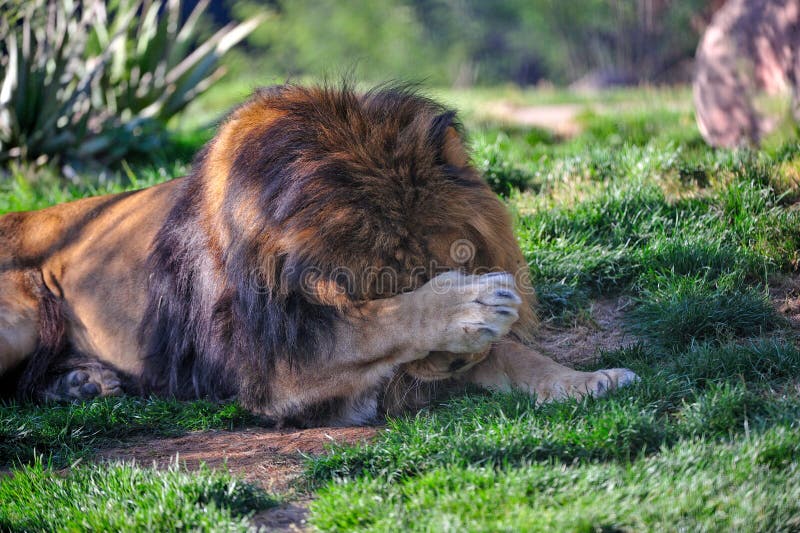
(561, 119)
(785, 296)
(270, 458)
(581, 343)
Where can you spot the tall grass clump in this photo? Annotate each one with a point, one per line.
(494, 156)
(683, 310)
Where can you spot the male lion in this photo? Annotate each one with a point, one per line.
(329, 252)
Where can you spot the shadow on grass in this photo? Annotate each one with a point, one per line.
(65, 432)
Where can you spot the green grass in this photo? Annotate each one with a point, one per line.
(125, 497)
(699, 486)
(636, 206)
(685, 309)
(24, 189)
(678, 397)
(630, 231)
(561, 304)
(679, 449)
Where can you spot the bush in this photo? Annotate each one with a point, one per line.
(87, 81)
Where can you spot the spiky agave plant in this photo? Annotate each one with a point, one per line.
(94, 80)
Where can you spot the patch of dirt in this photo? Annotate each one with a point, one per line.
(582, 343)
(290, 516)
(784, 293)
(558, 118)
(604, 330)
(270, 458)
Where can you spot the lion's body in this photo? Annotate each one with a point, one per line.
(91, 254)
(290, 269)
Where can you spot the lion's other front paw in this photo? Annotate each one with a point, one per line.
(86, 383)
(609, 379)
(468, 313)
(580, 384)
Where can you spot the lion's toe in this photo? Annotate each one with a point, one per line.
(82, 385)
(89, 390)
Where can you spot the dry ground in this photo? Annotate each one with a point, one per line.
(270, 458)
(561, 119)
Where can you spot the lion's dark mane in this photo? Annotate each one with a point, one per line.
(215, 319)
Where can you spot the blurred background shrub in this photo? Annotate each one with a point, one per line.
(92, 82)
(468, 42)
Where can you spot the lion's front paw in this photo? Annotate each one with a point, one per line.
(579, 384)
(609, 379)
(468, 313)
(90, 381)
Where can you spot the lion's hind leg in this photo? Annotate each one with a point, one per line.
(35, 358)
(19, 321)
